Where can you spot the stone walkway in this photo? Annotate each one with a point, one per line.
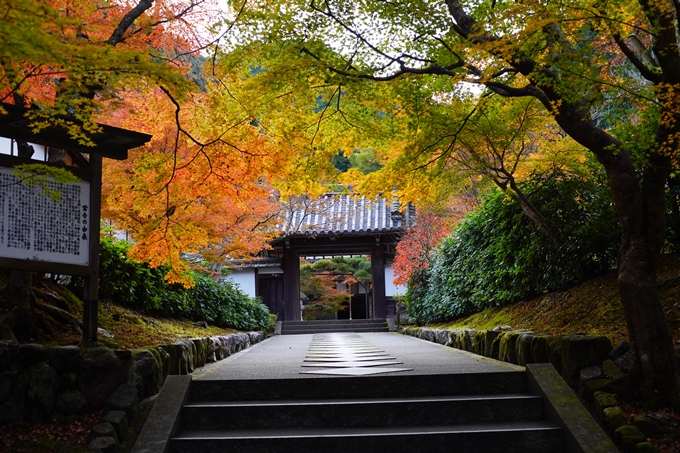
(347, 354)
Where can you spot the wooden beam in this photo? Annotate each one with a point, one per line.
(44, 267)
(12, 161)
(91, 293)
(109, 141)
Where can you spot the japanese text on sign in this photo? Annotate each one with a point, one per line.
(34, 226)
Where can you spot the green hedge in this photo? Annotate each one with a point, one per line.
(497, 255)
(135, 285)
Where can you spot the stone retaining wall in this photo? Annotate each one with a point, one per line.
(588, 363)
(38, 383)
(567, 353)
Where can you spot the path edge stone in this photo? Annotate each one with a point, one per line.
(582, 434)
(163, 421)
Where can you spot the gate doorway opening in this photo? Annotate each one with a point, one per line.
(336, 287)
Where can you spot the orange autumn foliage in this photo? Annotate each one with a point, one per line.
(177, 197)
(416, 248)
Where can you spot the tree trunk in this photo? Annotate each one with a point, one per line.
(639, 201)
(640, 206)
(654, 371)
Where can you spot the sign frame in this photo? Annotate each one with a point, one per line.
(110, 142)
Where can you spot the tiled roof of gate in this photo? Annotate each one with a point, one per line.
(336, 214)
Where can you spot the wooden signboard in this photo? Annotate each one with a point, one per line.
(40, 234)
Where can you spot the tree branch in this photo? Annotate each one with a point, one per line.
(179, 15)
(639, 65)
(127, 21)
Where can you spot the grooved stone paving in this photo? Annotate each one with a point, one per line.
(346, 350)
(283, 357)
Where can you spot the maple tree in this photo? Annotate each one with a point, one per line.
(196, 187)
(73, 59)
(616, 99)
(498, 141)
(416, 247)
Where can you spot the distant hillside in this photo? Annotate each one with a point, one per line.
(592, 307)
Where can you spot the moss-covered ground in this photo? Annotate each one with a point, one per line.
(592, 307)
(122, 327)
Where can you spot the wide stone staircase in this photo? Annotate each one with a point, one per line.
(486, 412)
(337, 325)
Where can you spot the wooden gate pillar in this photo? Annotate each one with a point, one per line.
(291, 285)
(378, 279)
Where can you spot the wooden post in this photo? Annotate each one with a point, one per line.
(378, 277)
(291, 285)
(91, 293)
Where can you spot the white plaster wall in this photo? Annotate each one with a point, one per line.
(270, 270)
(390, 288)
(245, 279)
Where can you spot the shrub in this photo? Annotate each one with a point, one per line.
(497, 256)
(136, 286)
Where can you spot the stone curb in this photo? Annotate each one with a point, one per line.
(163, 420)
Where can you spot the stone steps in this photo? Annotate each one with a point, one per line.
(488, 412)
(340, 325)
(216, 415)
(536, 437)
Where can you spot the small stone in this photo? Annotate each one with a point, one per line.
(105, 430)
(618, 351)
(591, 372)
(71, 402)
(125, 399)
(37, 387)
(628, 436)
(68, 381)
(64, 358)
(602, 401)
(590, 387)
(646, 447)
(11, 412)
(7, 379)
(145, 372)
(614, 417)
(623, 362)
(30, 354)
(5, 355)
(540, 352)
(123, 354)
(611, 371)
(103, 444)
(6, 333)
(442, 337)
(119, 421)
(582, 351)
(104, 333)
(523, 349)
(655, 424)
(507, 351)
(100, 373)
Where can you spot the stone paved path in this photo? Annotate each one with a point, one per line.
(355, 354)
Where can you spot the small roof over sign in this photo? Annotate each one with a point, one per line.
(112, 142)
